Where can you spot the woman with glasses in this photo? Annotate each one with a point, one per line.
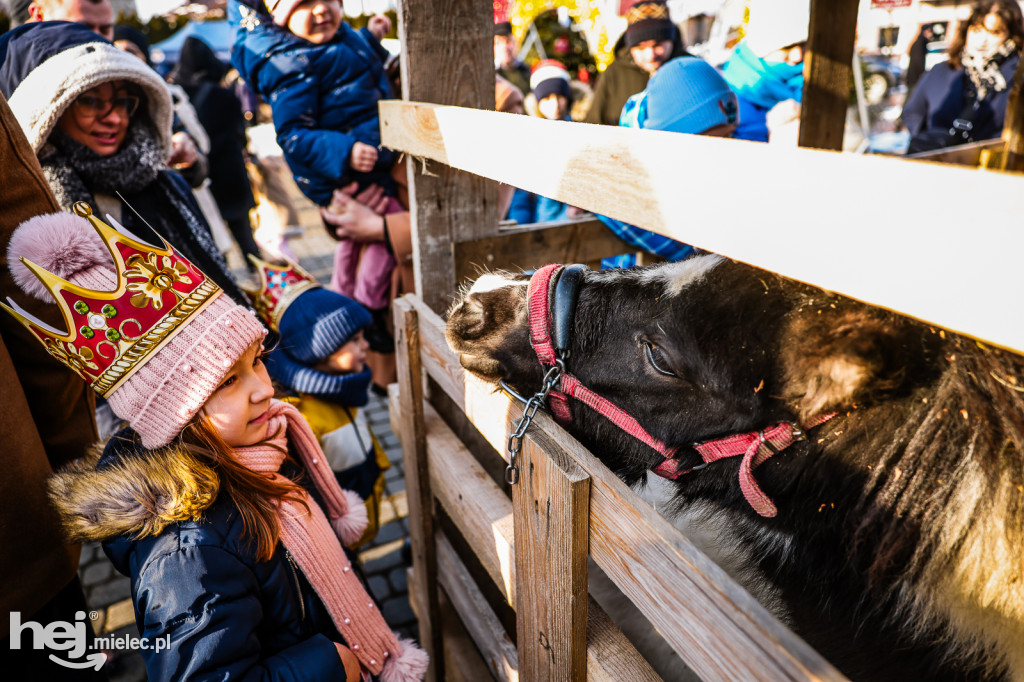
(964, 100)
(99, 120)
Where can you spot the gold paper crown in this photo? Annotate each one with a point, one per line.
(280, 285)
(111, 334)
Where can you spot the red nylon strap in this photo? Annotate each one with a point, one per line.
(538, 301)
(574, 389)
(540, 314)
(756, 447)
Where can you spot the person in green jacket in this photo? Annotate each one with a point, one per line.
(650, 40)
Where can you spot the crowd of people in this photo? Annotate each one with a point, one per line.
(237, 473)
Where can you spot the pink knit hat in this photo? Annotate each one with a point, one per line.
(147, 329)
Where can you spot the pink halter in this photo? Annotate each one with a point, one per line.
(549, 332)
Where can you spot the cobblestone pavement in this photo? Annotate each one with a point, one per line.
(109, 593)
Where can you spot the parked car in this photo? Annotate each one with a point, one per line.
(881, 74)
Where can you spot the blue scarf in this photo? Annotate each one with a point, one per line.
(762, 82)
(351, 390)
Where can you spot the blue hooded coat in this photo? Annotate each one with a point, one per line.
(195, 579)
(324, 97)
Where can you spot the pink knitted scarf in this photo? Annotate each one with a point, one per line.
(314, 543)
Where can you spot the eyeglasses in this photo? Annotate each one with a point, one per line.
(97, 107)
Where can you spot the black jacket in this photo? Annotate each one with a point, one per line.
(620, 81)
(199, 72)
(938, 100)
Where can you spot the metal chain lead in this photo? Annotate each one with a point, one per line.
(536, 401)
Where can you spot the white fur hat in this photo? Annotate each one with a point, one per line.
(41, 98)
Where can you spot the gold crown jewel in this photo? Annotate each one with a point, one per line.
(280, 285)
(111, 334)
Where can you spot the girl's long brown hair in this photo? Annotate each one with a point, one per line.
(256, 495)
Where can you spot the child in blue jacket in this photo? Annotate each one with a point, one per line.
(323, 80)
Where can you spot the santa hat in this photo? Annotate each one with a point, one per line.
(549, 77)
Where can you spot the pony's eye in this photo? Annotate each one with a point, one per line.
(657, 359)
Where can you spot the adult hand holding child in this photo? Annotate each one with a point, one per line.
(357, 216)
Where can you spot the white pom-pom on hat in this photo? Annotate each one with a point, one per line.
(60, 243)
(409, 666)
(351, 525)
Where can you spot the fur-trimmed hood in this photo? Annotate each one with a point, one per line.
(124, 491)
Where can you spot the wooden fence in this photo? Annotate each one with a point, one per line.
(534, 547)
(936, 242)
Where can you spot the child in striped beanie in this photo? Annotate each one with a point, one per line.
(321, 361)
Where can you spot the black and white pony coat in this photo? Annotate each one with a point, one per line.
(898, 548)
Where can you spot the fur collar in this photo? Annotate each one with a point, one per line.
(135, 494)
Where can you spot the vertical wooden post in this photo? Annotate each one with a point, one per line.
(551, 507)
(1013, 125)
(447, 58)
(827, 70)
(417, 483)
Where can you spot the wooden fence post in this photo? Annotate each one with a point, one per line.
(447, 58)
(417, 483)
(551, 510)
(827, 71)
(1013, 126)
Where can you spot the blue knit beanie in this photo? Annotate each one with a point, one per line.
(352, 390)
(318, 323)
(687, 95)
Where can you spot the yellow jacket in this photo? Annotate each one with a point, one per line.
(346, 441)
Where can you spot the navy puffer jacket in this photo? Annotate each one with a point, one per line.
(938, 100)
(324, 97)
(196, 581)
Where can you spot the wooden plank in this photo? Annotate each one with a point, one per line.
(956, 269)
(576, 242)
(828, 59)
(480, 509)
(462, 660)
(671, 581)
(498, 649)
(610, 656)
(417, 483)
(962, 154)
(447, 57)
(550, 515)
(1013, 124)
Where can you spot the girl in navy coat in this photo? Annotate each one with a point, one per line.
(216, 500)
(964, 99)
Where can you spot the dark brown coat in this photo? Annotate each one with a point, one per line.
(48, 415)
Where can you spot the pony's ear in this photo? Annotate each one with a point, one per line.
(833, 359)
